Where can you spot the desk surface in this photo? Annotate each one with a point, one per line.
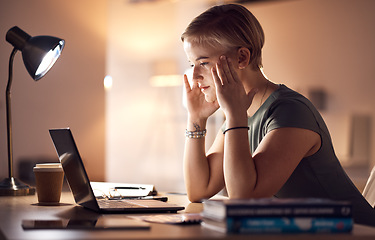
(14, 209)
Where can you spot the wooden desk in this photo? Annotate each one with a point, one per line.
(14, 209)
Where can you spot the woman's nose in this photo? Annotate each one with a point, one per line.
(196, 74)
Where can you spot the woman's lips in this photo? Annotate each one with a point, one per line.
(203, 89)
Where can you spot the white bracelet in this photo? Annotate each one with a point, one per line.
(195, 134)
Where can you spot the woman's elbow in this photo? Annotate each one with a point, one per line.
(194, 197)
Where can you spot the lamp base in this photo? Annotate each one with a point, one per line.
(13, 187)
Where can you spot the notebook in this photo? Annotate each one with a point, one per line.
(80, 186)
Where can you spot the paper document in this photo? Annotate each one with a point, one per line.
(109, 189)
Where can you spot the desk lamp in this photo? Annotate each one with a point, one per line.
(39, 53)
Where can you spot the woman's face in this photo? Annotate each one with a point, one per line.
(202, 59)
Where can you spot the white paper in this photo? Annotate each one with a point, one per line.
(109, 189)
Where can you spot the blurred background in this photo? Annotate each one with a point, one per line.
(129, 125)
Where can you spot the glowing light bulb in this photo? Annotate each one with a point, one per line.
(48, 60)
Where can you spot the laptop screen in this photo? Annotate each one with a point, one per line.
(74, 169)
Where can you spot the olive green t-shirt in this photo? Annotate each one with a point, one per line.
(320, 175)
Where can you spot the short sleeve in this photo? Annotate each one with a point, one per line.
(291, 113)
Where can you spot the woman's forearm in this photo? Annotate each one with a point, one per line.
(196, 167)
(239, 168)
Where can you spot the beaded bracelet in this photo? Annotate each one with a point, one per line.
(195, 134)
(234, 128)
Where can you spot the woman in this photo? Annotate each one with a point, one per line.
(273, 142)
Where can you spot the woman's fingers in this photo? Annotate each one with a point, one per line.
(225, 71)
(186, 83)
(188, 87)
(220, 72)
(232, 71)
(217, 79)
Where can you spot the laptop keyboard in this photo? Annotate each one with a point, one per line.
(103, 203)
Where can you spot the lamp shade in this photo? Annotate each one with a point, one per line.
(39, 53)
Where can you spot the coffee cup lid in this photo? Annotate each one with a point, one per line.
(48, 167)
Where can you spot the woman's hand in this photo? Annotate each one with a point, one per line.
(230, 91)
(198, 107)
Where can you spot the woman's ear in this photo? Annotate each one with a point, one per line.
(243, 57)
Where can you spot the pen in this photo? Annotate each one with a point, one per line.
(130, 188)
(159, 198)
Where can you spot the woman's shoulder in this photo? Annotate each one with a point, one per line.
(291, 109)
(284, 95)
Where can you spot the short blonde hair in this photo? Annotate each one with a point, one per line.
(229, 26)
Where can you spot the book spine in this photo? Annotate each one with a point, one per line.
(288, 225)
(338, 211)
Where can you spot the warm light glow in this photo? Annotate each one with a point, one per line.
(166, 80)
(108, 82)
(49, 60)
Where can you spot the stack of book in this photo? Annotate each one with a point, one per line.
(276, 215)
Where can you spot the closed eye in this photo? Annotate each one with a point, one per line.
(201, 64)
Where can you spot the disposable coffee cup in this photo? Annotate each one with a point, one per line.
(49, 180)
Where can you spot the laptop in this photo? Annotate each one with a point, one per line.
(80, 186)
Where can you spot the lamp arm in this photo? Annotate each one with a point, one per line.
(9, 115)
